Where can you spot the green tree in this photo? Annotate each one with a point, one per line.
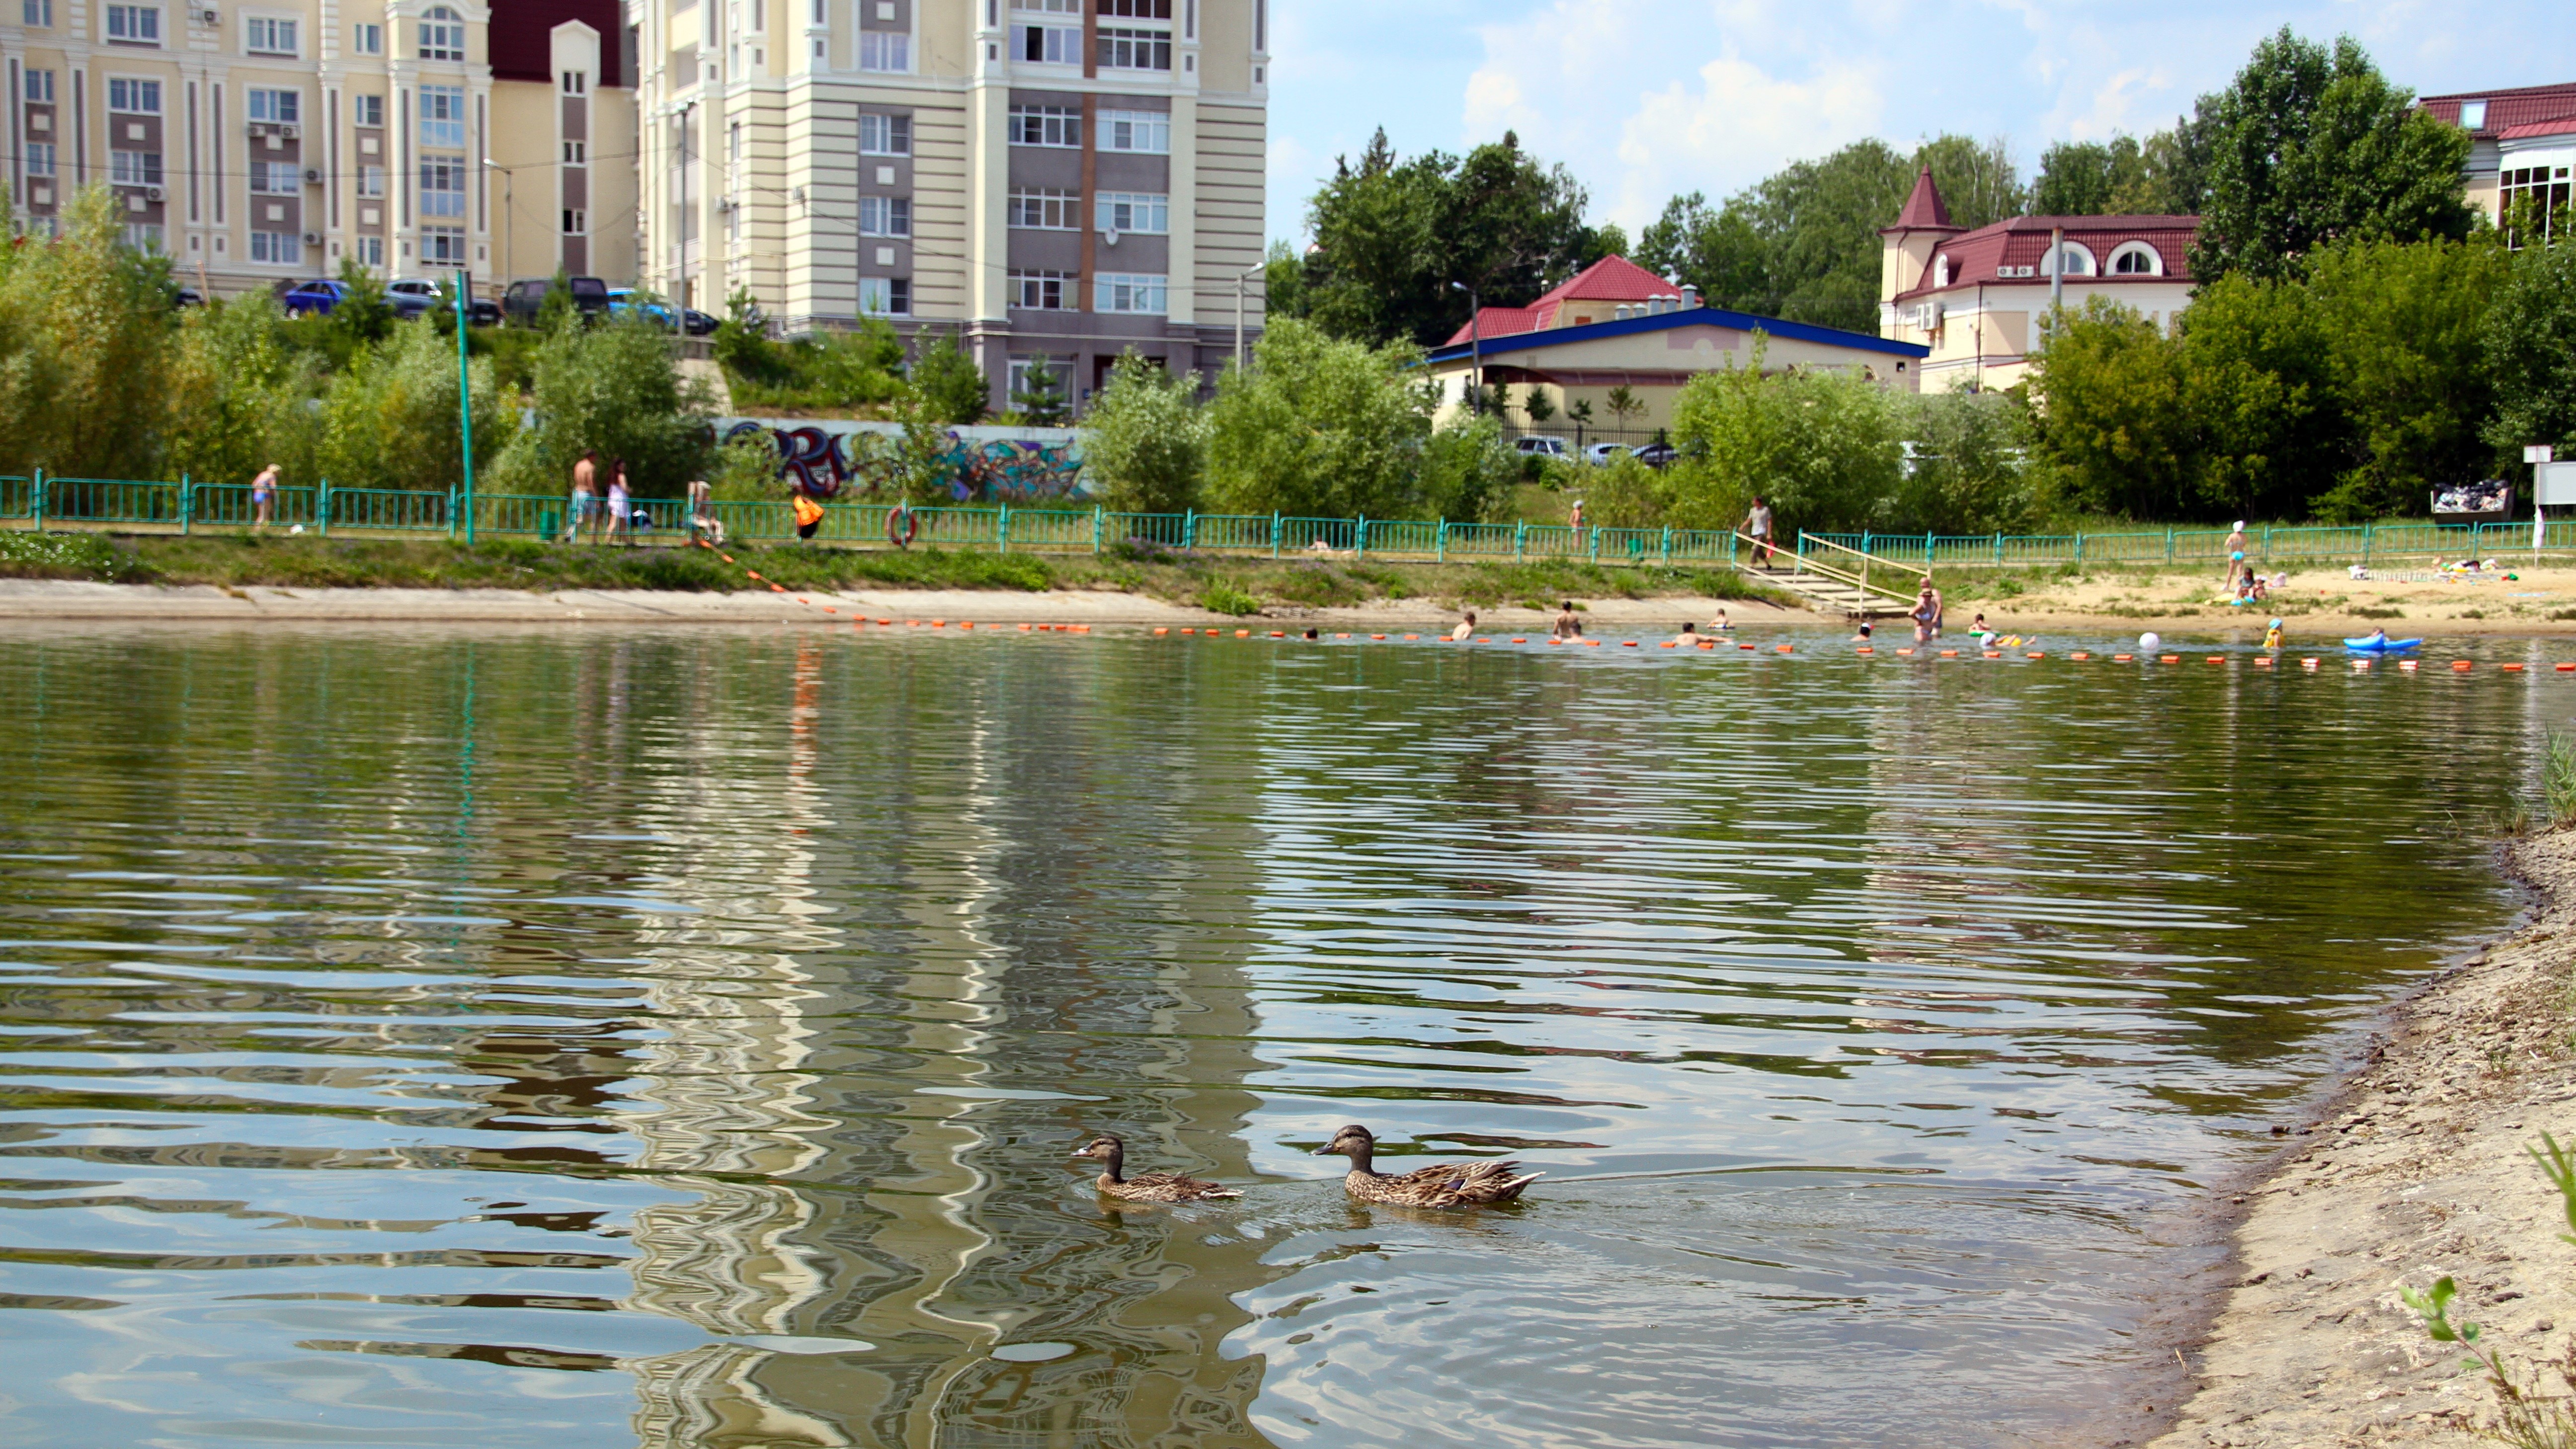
(2528, 356)
(1966, 472)
(1978, 179)
(615, 388)
(1319, 427)
(2113, 422)
(1467, 471)
(87, 341)
(1823, 448)
(242, 388)
(952, 386)
(1145, 440)
(390, 420)
(2311, 144)
(2088, 178)
(362, 314)
(2402, 330)
(2261, 423)
(1040, 402)
(2172, 174)
(1391, 235)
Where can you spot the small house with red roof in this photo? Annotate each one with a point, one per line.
(1974, 299)
(2522, 148)
(1615, 325)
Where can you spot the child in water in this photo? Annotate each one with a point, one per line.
(2272, 635)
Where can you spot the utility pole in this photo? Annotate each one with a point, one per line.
(465, 395)
(1240, 278)
(1475, 347)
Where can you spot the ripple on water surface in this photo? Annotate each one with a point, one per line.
(545, 1038)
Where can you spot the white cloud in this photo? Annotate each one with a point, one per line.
(1737, 124)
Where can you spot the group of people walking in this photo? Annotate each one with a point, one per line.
(609, 511)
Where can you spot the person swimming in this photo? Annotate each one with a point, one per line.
(1466, 629)
(1863, 636)
(2272, 635)
(1568, 625)
(1721, 624)
(1688, 636)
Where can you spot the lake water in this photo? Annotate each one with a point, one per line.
(570, 1037)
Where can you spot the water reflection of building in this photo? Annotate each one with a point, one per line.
(996, 952)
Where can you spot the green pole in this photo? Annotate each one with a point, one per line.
(1440, 549)
(40, 500)
(464, 402)
(186, 512)
(322, 509)
(1097, 518)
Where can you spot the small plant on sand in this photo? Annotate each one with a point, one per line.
(2526, 1417)
(1221, 597)
(2558, 777)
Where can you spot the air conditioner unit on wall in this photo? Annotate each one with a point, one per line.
(313, 238)
(152, 193)
(312, 175)
(289, 132)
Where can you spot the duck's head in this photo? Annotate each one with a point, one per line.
(1105, 1147)
(1354, 1141)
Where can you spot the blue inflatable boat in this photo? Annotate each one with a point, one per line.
(2381, 646)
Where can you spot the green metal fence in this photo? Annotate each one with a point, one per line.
(131, 505)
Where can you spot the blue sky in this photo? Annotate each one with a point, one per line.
(1646, 98)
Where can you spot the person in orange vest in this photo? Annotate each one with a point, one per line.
(809, 514)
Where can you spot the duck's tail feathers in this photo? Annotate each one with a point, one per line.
(1223, 1192)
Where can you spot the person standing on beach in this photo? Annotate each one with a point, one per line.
(2235, 551)
(263, 498)
(620, 499)
(1757, 526)
(703, 523)
(585, 492)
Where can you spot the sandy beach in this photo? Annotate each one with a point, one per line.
(2415, 1169)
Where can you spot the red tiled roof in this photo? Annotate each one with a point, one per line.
(2555, 126)
(1924, 208)
(1612, 279)
(2022, 241)
(2507, 107)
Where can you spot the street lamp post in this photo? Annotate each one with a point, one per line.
(1240, 278)
(1475, 346)
(509, 216)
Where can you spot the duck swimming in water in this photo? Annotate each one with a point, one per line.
(1145, 1186)
(1448, 1185)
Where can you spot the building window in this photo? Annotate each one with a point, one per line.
(1136, 9)
(370, 251)
(1146, 132)
(442, 116)
(444, 245)
(371, 182)
(134, 168)
(1125, 292)
(1045, 211)
(277, 248)
(442, 34)
(576, 222)
(1122, 49)
(885, 50)
(135, 97)
(367, 110)
(134, 24)
(885, 296)
(1038, 291)
(143, 236)
(275, 178)
(1046, 44)
(1138, 212)
(38, 12)
(1036, 377)
(576, 153)
(40, 86)
(442, 186)
(2135, 260)
(40, 158)
(885, 216)
(2473, 114)
(1045, 126)
(2531, 201)
(265, 35)
(1047, 7)
(881, 135)
(367, 39)
(576, 83)
(282, 107)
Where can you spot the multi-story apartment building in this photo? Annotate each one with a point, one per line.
(1051, 181)
(264, 141)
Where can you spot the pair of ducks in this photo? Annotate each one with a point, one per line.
(1448, 1185)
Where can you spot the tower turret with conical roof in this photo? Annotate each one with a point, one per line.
(1919, 231)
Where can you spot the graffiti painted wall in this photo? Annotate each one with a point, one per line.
(824, 458)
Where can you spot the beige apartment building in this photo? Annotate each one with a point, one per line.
(1051, 181)
(265, 142)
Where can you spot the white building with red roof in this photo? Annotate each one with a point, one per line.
(1615, 325)
(2522, 147)
(1974, 299)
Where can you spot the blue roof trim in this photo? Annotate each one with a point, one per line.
(1688, 317)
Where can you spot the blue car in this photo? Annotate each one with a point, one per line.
(624, 303)
(320, 295)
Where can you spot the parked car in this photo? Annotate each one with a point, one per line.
(1601, 453)
(527, 296)
(697, 323)
(323, 294)
(1657, 455)
(481, 311)
(1536, 447)
(188, 297)
(626, 302)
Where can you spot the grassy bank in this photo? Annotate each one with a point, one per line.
(1227, 585)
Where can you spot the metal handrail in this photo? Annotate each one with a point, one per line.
(1806, 564)
(1866, 557)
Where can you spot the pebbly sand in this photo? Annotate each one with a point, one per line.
(2415, 1169)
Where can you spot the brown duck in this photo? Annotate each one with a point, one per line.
(1449, 1185)
(1146, 1186)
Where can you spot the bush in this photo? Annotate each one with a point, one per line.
(1220, 597)
(1319, 428)
(390, 421)
(68, 556)
(2527, 353)
(952, 387)
(1468, 471)
(1968, 472)
(1145, 441)
(86, 333)
(1820, 447)
(614, 388)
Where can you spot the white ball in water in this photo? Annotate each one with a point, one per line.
(2149, 640)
